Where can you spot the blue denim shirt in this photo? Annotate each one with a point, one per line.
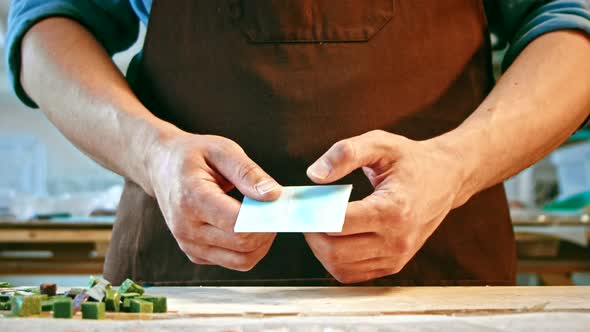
(115, 23)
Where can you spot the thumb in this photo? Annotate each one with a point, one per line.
(341, 159)
(245, 174)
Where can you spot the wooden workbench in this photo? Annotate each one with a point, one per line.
(346, 309)
(72, 247)
(79, 247)
(554, 261)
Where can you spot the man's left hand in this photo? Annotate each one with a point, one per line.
(416, 184)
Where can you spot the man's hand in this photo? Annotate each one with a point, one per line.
(190, 175)
(416, 185)
(88, 99)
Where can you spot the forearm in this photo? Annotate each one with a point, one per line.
(75, 83)
(535, 106)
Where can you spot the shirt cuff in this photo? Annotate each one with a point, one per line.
(114, 25)
(558, 15)
(15, 35)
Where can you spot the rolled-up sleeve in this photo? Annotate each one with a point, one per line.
(113, 23)
(525, 20)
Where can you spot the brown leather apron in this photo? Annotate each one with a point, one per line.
(288, 78)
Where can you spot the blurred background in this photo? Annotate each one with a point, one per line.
(57, 206)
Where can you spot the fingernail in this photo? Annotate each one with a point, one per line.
(266, 186)
(321, 169)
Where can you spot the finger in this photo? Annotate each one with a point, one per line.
(361, 217)
(242, 242)
(215, 207)
(228, 258)
(231, 161)
(338, 250)
(201, 261)
(192, 255)
(382, 209)
(345, 156)
(363, 276)
(362, 271)
(367, 265)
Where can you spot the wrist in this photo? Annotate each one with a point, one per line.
(461, 160)
(151, 142)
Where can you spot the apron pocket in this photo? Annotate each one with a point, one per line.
(300, 21)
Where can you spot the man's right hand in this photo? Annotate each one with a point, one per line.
(190, 177)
